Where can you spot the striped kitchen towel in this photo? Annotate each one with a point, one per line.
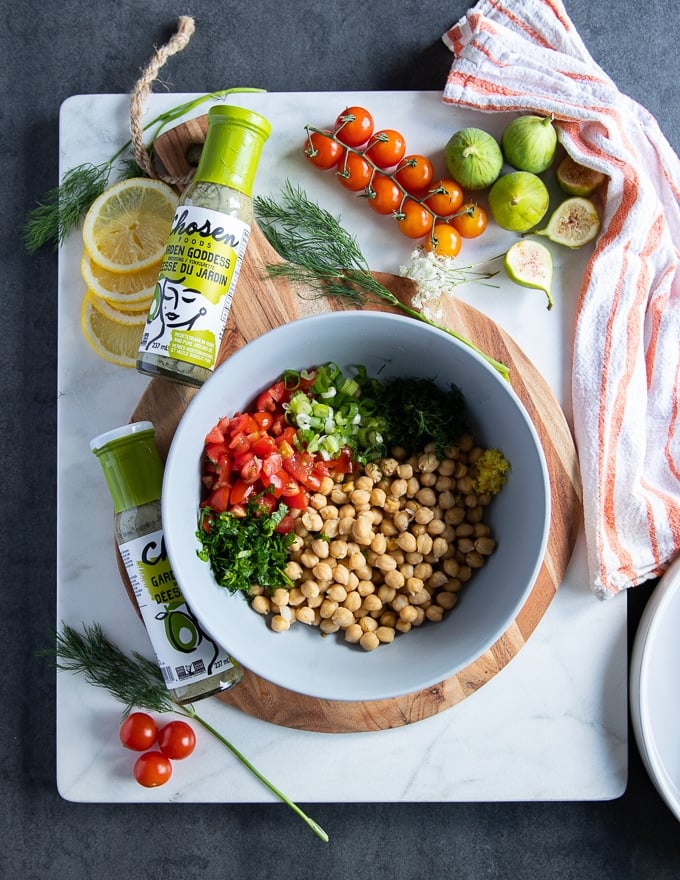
(526, 56)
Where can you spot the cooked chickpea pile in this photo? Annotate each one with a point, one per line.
(384, 549)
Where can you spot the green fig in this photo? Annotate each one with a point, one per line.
(576, 179)
(573, 223)
(518, 201)
(473, 158)
(529, 143)
(529, 263)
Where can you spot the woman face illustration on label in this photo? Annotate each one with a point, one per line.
(172, 306)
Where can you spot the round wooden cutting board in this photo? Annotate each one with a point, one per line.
(262, 303)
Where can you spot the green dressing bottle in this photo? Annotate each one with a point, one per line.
(203, 257)
(192, 664)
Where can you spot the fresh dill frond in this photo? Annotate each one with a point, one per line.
(137, 683)
(131, 679)
(64, 205)
(319, 251)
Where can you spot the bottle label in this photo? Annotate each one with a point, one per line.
(185, 653)
(195, 286)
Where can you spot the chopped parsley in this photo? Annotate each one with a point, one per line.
(245, 550)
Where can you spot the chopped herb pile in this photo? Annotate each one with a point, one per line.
(418, 412)
(245, 550)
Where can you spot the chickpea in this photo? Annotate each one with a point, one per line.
(369, 641)
(342, 617)
(341, 575)
(353, 633)
(305, 615)
(311, 520)
(328, 626)
(485, 545)
(424, 515)
(378, 497)
(379, 543)
(407, 542)
(279, 624)
(394, 579)
(261, 604)
(435, 613)
(427, 497)
(310, 589)
(322, 571)
(328, 608)
(337, 593)
(295, 597)
(320, 548)
(446, 600)
(353, 601)
(368, 624)
(280, 596)
(385, 634)
(386, 562)
(372, 603)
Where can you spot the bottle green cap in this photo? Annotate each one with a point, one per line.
(131, 463)
(232, 147)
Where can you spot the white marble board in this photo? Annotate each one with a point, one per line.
(551, 726)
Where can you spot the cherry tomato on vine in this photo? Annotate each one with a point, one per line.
(322, 151)
(384, 196)
(176, 740)
(138, 732)
(444, 241)
(415, 221)
(444, 197)
(386, 148)
(354, 126)
(473, 224)
(152, 769)
(354, 172)
(414, 173)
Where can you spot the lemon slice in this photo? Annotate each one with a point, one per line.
(127, 226)
(130, 316)
(113, 340)
(124, 290)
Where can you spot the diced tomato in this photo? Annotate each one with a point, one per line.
(276, 480)
(272, 463)
(215, 435)
(300, 501)
(264, 419)
(269, 399)
(251, 469)
(286, 525)
(287, 435)
(267, 502)
(219, 499)
(241, 492)
(213, 451)
(243, 423)
(239, 442)
(264, 446)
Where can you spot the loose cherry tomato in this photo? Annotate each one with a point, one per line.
(152, 769)
(354, 172)
(414, 173)
(414, 220)
(176, 740)
(444, 197)
(384, 196)
(386, 148)
(322, 151)
(354, 126)
(473, 224)
(444, 241)
(138, 732)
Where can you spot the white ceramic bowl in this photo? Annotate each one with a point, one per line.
(654, 698)
(300, 659)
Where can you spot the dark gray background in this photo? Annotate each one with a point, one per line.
(49, 52)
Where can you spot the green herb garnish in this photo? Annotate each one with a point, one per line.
(137, 682)
(418, 412)
(319, 252)
(245, 550)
